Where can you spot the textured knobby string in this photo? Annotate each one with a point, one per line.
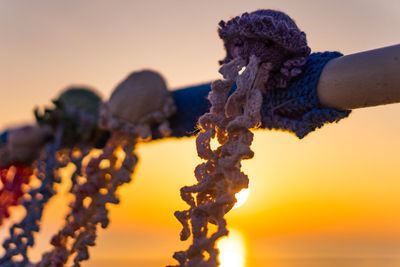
(76, 157)
(89, 207)
(103, 176)
(22, 233)
(220, 177)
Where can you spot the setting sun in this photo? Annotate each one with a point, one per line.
(241, 197)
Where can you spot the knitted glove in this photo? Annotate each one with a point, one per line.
(297, 108)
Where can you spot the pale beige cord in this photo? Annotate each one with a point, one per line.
(220, 178)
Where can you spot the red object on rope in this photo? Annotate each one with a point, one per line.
(12, 179)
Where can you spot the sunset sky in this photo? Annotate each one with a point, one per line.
(334, 194)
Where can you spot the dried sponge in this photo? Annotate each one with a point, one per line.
(83, 99)
(141, 93)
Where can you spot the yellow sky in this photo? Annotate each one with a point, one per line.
(337, 192)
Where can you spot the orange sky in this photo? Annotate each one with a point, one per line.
(337, 192)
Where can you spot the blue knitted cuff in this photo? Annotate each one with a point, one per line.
(3, 137)
(297, 108)
(191, 103)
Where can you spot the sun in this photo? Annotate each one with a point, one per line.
(241, 197)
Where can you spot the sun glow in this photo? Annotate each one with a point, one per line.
(232, 250)
(241, 197)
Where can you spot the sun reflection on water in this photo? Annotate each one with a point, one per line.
(232, 250)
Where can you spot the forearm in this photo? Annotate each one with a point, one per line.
(363, 79)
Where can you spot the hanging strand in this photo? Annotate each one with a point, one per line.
(22, 233)
(89, 208)
(147, 102)
(220, 177)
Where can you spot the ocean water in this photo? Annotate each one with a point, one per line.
(293, 262)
